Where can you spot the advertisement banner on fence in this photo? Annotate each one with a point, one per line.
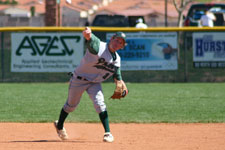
(209, 49)
(149, 51)
(46, 52)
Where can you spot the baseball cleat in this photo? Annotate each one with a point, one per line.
(61, 133)
(108, 137)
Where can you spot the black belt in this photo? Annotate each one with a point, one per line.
(81, 78)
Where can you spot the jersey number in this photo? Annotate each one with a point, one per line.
(105, 76)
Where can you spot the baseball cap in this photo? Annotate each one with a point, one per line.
(121, 35)
(140, 20)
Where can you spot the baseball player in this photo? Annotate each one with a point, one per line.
(99, 63)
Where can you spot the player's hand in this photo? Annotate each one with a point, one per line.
(87, 33)
(120, 91)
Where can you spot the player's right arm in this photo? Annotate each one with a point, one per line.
(92, 41)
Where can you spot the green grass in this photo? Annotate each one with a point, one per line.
(145, 103)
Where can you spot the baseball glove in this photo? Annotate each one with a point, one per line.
(120, 91)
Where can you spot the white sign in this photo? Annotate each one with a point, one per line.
(209, 49)
(149, 51)
(46, 52)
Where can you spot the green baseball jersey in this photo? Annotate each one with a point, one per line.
(98, 63)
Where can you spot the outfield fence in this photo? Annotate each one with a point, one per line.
(47, 54)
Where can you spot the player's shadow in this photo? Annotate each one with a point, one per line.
(53, 141)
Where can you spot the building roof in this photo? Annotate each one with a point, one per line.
(23, 7)
(77, 5)
(123, 7)
(140, 7)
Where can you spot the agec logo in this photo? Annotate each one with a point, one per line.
(39, 45)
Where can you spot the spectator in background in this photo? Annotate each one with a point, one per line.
(141, 24)
(87, 24)
(207, 19)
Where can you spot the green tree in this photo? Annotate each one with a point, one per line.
(8, 2)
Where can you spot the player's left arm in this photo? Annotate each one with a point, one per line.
(120, 91)
(117, 75)
(119, 82)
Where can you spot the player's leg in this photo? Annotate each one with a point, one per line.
(76, 90)
(105, 120)
(96, 95)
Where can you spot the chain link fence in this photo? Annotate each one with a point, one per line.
(188, 69)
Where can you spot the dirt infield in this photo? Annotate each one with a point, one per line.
(39, 136)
